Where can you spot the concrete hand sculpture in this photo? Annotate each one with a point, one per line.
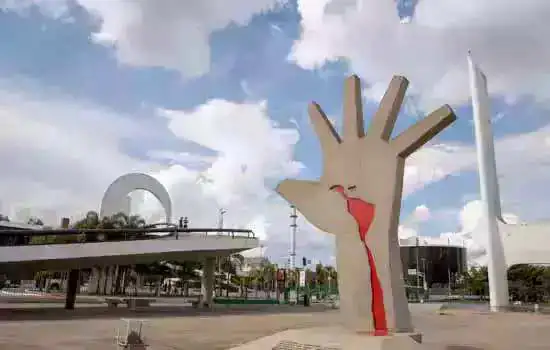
(358, 199)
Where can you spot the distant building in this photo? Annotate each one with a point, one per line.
(436, 265)
(251, 264)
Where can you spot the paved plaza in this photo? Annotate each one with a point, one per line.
(37, 327)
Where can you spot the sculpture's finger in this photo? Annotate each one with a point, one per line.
(383, 121)
(328, 137)
(353, 127)
(423, 131)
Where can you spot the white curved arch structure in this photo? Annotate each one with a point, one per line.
(525, 243)
(115, 198)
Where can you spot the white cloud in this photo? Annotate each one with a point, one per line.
(422, 213)
(469, 235)
(522, 165)
(434, 163)
(431, 49)
(56, 161)
(170, 33)
(514, 154)
(61, 154)
(250, 147)
(405, 232)
(409, 227)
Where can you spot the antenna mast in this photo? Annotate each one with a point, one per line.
(293, 228)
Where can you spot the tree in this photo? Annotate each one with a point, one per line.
(476, 280)
(321, 275)
(269, 272)
(238, 277)
(116, 221)
(332, 279)
(186, 271)
(35, 221)
(527, 282)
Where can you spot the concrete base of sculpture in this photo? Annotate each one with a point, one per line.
(333, 338)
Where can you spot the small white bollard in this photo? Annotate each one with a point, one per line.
(536, 308)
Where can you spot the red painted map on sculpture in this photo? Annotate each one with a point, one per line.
(363, 213)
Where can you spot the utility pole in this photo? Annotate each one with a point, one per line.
(417, 267)
(424, 274)
(293, 229)
(449, 266)
(220, 226)
(464, 257)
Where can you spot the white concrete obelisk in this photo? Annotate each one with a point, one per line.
(488, 183)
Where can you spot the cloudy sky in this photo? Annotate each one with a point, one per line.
(210, 97)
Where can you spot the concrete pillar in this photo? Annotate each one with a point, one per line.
(110, 280)
(73, 278)
(116, 281)
(72, 287)
(139, 284)
(101, 280)
(93, 283)
(207, 282)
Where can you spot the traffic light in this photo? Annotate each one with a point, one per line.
(304, 261)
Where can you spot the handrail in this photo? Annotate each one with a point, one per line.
(74, 235)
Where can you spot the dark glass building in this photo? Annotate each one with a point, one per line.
(435, 264)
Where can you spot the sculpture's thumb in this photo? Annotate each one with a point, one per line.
(299, 192)
(323, 208)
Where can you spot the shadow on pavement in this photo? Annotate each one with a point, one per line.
(9, 314)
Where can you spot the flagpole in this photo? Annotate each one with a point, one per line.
(488, 184)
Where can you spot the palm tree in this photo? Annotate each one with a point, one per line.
(35, 221)
(269, 273)
(90, 221)
(320, 275)
(156, 271)
(264, 278)
(116, 221)
(239, 276)
(332, 278)
(187, 272)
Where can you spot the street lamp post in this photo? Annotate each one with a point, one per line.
(222, 212)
